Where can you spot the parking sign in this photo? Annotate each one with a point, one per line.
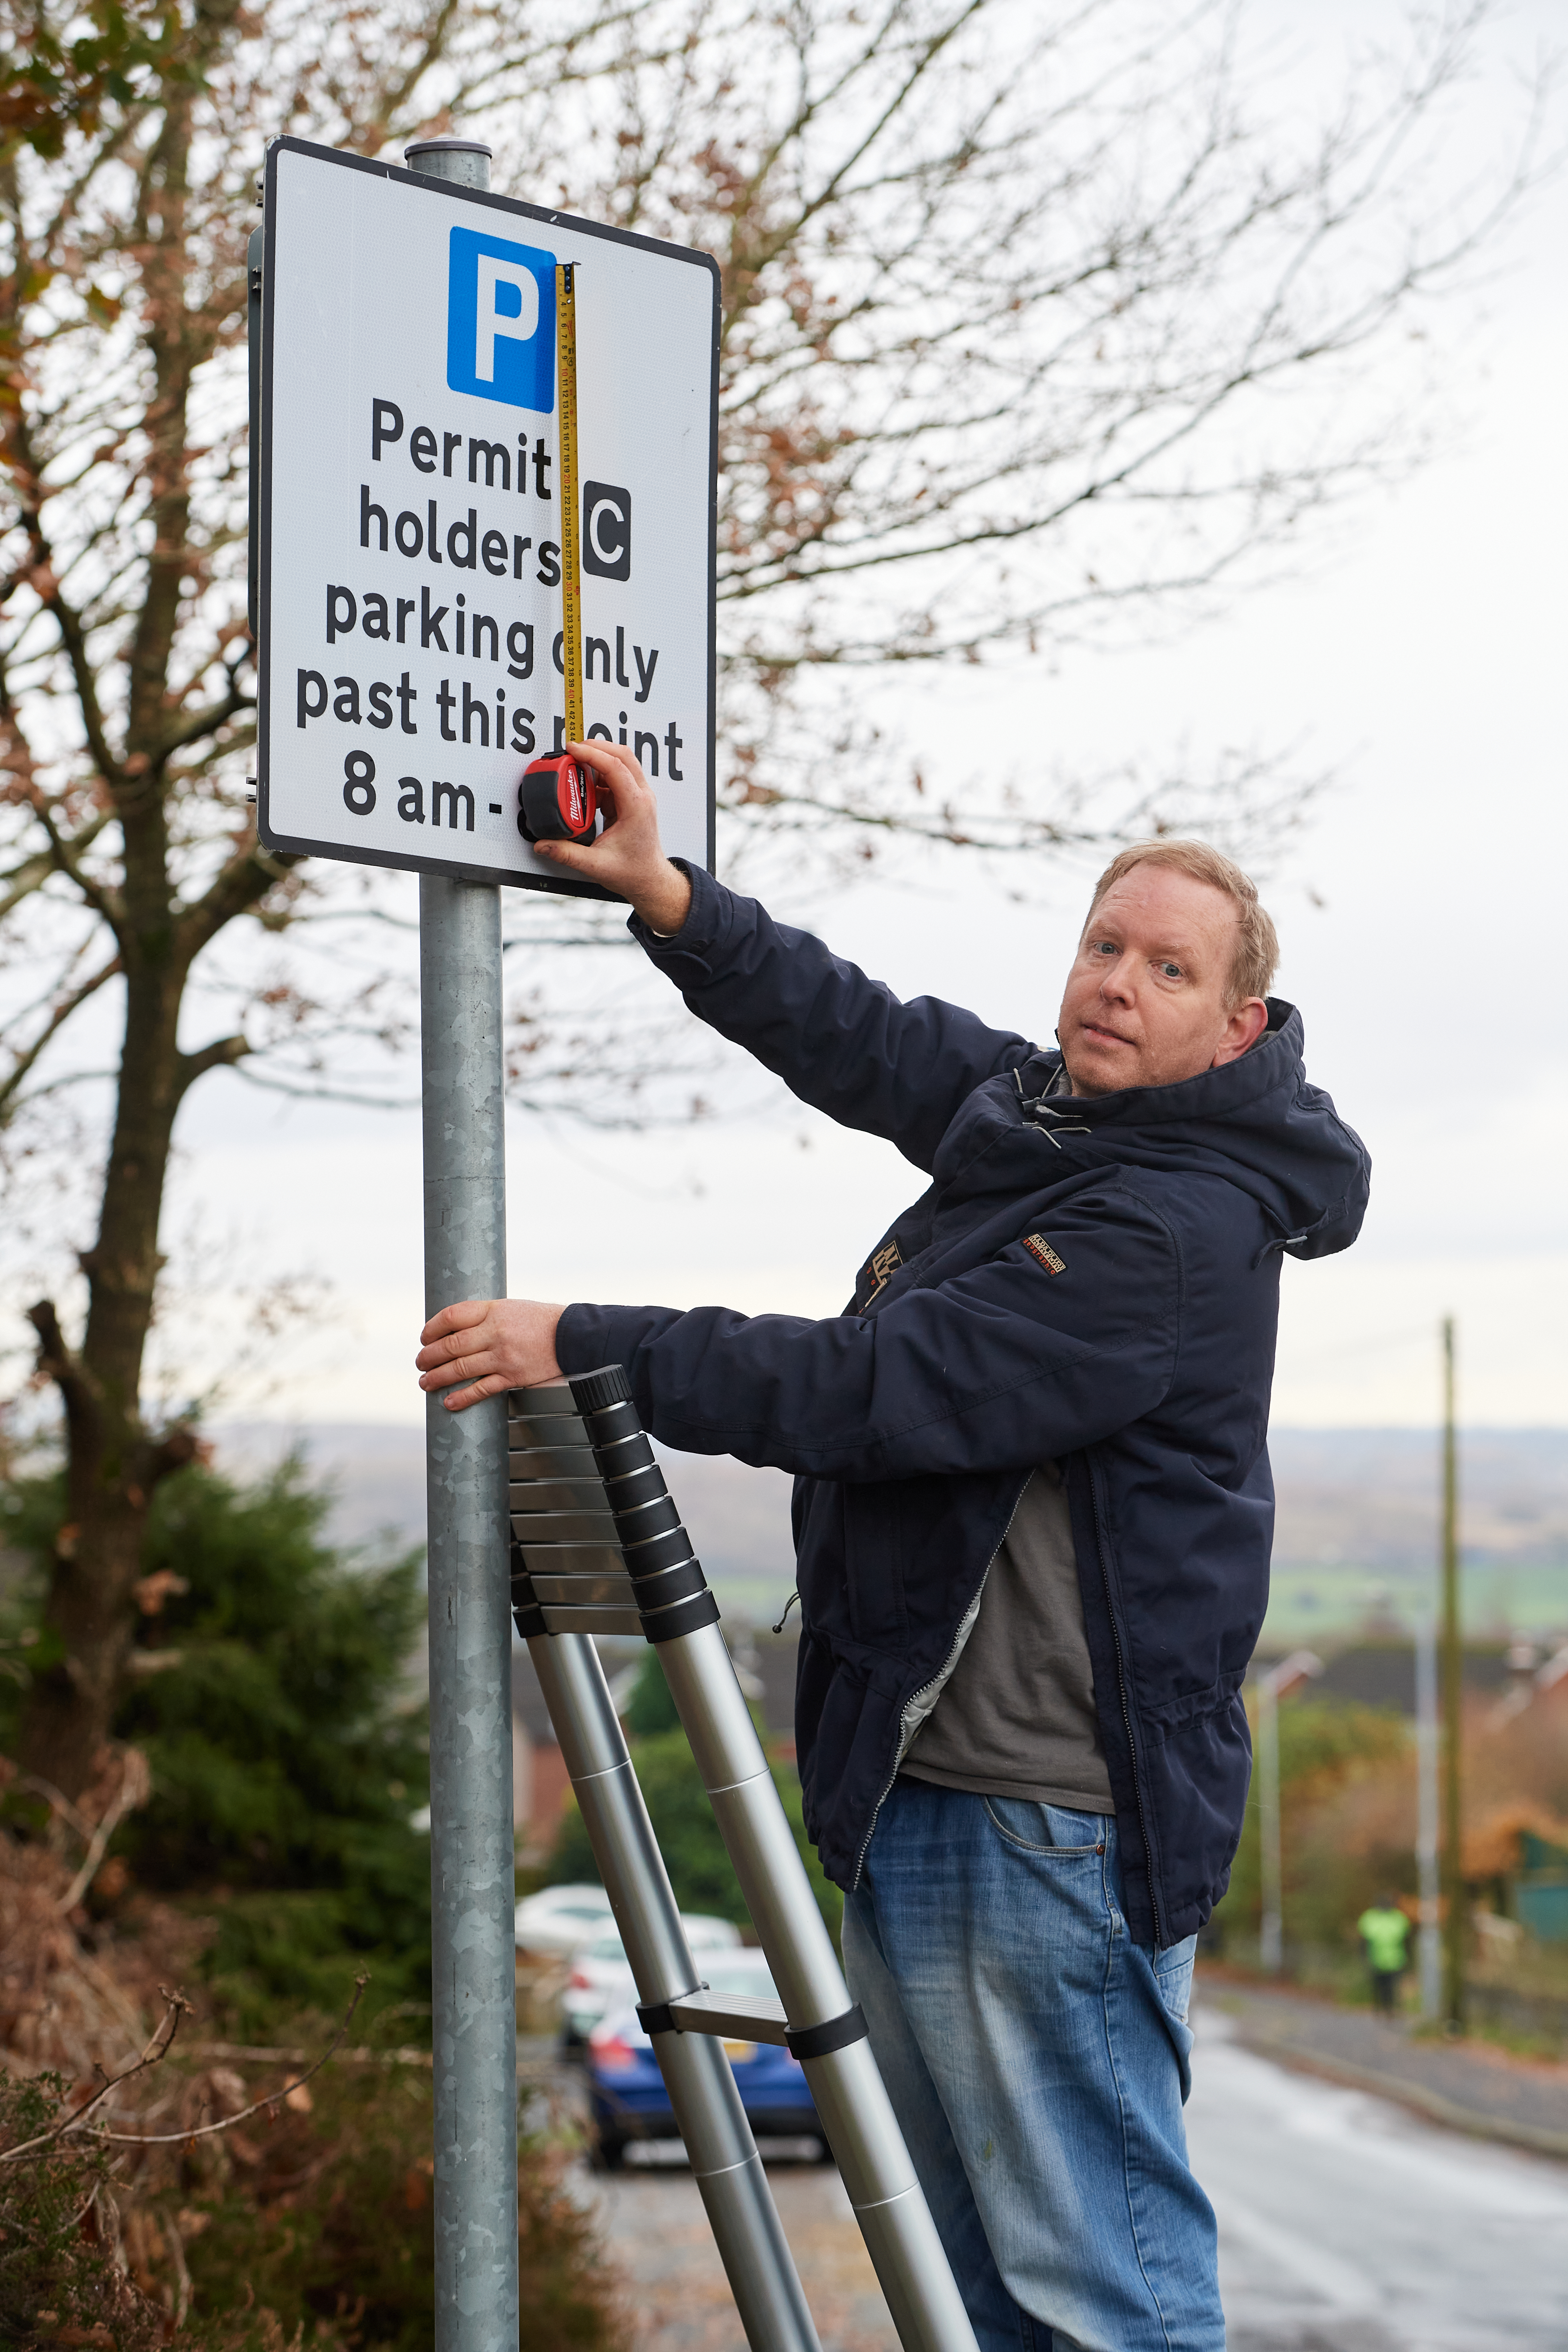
(409, 573)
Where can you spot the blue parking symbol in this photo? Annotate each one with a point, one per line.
(501, 320)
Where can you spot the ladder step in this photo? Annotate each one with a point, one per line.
(733, 2016)
(568, 1559)
(531, 1493)
(534, 1527)
(553, 1461)
(561, 1618)
(553, 1397)
(599, 1591)
(527, 1430)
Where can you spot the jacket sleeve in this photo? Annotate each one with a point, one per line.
(1005, 1365)
(841, 1042)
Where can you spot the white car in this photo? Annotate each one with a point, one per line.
(602, 1980)
(560, 1920)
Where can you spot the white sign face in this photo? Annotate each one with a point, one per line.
(410, 521)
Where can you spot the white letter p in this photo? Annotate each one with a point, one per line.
(489, 322)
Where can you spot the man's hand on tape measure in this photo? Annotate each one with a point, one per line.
(628, 856)
(488, 1345)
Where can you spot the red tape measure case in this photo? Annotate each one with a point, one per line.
(557, 799)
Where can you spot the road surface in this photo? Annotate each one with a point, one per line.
(1346, 2225)
(1349, 2225)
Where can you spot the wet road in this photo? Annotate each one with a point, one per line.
(1346, 2225)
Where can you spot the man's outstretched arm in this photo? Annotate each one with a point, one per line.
(840, 1041)
(1005, 1365)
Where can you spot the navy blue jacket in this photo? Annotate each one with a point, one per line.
(1092, 1282)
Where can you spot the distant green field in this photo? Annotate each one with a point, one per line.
(1310, 1604)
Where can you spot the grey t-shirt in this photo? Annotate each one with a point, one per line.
(1016, 1717)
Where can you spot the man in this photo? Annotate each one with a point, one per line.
(1385, 1933)
(1033, 1513)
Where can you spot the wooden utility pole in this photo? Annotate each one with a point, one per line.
(1452, 1698)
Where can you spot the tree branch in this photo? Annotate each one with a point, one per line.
(243, 880)
(56, 1362)
(45, 585)
(135, 1786)
(152, 2055)
(205, 723)
(28, 1060)
(228, 2123)
(178, 1447)
(32, 872)
(222, 1052)
(107, 903)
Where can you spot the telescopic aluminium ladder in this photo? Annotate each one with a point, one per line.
(599, 1547)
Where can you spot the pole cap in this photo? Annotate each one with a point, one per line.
(446, 147)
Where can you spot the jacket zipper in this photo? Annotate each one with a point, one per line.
(935, 1683)
(1126, 1708)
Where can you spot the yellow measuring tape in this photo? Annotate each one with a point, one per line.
(571, 573)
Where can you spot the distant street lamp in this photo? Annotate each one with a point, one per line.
(1452, 1687)
(1297, 1668)
(1429, 1813)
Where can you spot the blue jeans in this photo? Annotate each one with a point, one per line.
(1036, 2059)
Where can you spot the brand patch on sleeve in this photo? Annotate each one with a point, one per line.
(883, 1263)
(1037, 1246)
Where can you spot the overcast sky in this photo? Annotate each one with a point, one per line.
(1422, 660)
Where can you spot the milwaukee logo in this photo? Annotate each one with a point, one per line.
(1037, 1246)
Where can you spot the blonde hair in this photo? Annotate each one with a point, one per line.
(1257, 954)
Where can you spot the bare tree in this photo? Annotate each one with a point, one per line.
(125, 682)
(1038, 323)
(1017, 302)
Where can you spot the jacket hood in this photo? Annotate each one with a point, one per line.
(1257, 1122)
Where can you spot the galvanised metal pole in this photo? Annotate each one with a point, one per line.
(473, 1888)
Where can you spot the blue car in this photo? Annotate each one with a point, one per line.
(625, 2090)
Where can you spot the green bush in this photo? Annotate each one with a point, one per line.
(682, 1818)
(310, 2226)
(335, 2231)
(59, 2278)
(652, 1709)
(286, 1756)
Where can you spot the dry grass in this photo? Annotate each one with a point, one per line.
(202, 2201)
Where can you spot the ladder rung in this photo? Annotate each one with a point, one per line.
(568, 1559)
(598, 1592)
(733, 2016)
(550, 1397)
(529, 1429)
(564, 1618)
(534, 1527)
(532, 1494)
(552, 1461)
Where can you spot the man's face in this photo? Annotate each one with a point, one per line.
(1145, 1000)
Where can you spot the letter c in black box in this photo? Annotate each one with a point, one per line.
(607, 530)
